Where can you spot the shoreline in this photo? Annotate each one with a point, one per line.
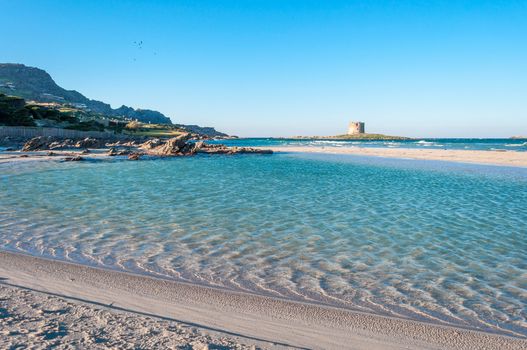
(499, 158)
(257, 319)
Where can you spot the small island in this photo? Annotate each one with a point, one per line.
(356, 131)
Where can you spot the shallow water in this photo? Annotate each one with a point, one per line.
(434, 241)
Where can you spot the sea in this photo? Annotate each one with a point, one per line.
(510, 144)
(432, 241)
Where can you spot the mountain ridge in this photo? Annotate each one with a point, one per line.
(36, 84)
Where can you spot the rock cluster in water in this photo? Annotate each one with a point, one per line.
(182, 145)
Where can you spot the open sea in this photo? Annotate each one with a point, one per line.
(427, 240)
(519, 145)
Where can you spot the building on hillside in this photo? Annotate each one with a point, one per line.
(356, 128)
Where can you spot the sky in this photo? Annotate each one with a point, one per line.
(288, 67)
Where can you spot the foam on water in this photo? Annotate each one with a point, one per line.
(518, 145)
(426, 240)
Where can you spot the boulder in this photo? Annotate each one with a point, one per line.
(116, 152)
(173, 147)
(112, 152)
(150, 144)
(90, 143)
(134, 156)
(222, 149)
(73, 159)
(36, 144)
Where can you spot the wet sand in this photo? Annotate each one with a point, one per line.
(506, 158)
(232, 317)
(10, 157)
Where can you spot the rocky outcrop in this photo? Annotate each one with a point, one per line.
(90, 143)
(172, 147)
(182, 145)
(134, 156)
(73, 159)
(112, 152)
(47, 143)
(203, 131)
(36, 144)
(222, 149)
(151, 144)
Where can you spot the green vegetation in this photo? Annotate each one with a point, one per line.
(152, 130)
(13, 112)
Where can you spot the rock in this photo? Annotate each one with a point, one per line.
(73, 159)
(51, 154)
(134, 156)
(173, 146)
(85, 151)
(55, 145)
(222, 149)
(151, 144)
(35, 144)
(114, 152)
(254, 150)
(120, 143)
(199, 145)
(90, 143)
(9, 149)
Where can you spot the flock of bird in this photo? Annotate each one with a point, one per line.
(139, 45)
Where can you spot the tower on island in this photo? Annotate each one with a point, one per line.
(356, 128)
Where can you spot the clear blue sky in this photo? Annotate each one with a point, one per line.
(281, 68)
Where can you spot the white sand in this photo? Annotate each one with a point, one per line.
(249, 319)
(30, 318)
(507, 158)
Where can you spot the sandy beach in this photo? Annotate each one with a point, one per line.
(53, 322)
(499, 158)
(507, 158)
(70, 299)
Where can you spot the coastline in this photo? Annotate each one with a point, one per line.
(263, 321)
(500, 158)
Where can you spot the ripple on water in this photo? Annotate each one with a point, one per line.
(439, 242)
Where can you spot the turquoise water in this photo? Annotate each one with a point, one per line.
(433, 241)
(518, 145)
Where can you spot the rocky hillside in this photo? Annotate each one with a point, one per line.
(37, 85)
(203, 130)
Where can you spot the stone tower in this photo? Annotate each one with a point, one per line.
(356, 128)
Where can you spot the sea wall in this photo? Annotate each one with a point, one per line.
(28, 132)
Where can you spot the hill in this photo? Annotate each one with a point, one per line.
(35, 84)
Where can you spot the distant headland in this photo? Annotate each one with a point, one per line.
(356, 131)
